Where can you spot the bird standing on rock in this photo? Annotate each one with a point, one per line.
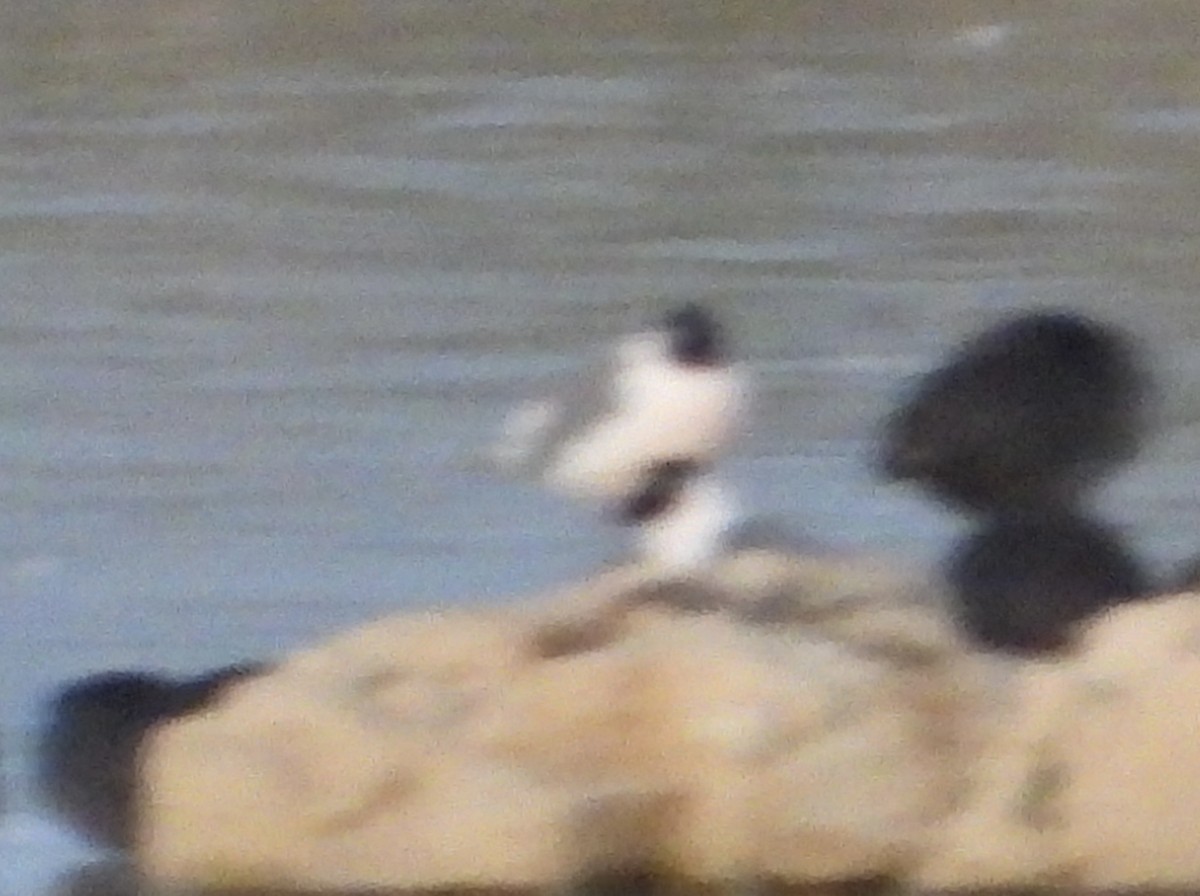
(684, 516)
(667, 394)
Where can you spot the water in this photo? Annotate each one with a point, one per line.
(272, 272)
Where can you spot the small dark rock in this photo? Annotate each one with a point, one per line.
(87, 756)
(1022, 584)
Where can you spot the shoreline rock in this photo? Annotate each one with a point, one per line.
(791, 719)
(87, 755)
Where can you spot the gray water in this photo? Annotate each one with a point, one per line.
(271, 273)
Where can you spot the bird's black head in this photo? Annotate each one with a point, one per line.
(695, 336)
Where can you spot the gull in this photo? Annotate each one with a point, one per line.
(684, 515)
(667, 393)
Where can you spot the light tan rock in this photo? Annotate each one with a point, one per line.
(795, 719)
(1002, 832)
(1090, 777)
(695, 729)
(1131, 803)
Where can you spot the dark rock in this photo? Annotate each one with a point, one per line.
(1023, 584)
(87, 756)
(1029, 414)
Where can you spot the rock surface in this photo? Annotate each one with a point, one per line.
(87, 756)
(788, 719)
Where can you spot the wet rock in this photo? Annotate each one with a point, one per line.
(1023, 584)
(1031, 413)
(87, 755)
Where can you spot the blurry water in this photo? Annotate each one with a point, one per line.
(271, 272)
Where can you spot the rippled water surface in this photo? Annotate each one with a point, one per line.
(272, 272)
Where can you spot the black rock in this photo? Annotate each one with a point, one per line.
(87, 755)
(1029, 414)
(1023, 584)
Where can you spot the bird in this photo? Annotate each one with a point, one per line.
(685, 516)
(1031, 413)
(665, 393)
(1023, 584)
(87, 752)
